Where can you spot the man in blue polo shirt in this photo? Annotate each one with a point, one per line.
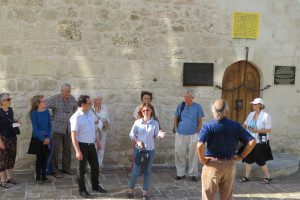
(187, 124)
(216, 148)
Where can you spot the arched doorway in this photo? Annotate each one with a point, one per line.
(241, 84)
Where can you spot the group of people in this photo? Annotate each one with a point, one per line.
(85, 123)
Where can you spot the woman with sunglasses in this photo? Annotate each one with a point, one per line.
(41, 134)
(143, 133)
(8, 142)
(146, 97)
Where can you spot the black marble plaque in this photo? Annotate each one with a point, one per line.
(284, 75)
(198, 74)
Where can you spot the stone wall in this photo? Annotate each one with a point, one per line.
(120, 47)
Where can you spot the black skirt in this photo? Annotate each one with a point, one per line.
(37, 147)
(260, 154)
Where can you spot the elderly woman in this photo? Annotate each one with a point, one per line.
(101, 113)
(143, 133)
(41, 134)
(258, 123)
(8, 141)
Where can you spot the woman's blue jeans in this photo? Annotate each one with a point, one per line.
(136, 171)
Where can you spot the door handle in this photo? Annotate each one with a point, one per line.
(238, 104)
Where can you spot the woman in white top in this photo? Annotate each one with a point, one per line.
(146, 97)
(258, 124)
(144, 132)
(102, 114)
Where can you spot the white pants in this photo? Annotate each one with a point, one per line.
(100, 153)
(185, 150)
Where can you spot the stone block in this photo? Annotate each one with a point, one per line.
(5, 2)
(70, 29)
(11, 85)
(25, 85)
(28, 49)
(47, 85)
(93, 37)
(203, 27)
(36, 3)
(188, 2)
(120, 70)
(199, 53)
(24, 14)
(10, 25)
(103, 26)
(50, 14)
(92, 84)
(40, 67)
(88, 69)
(69, 12)
(16, 65)
(6, 49)
(126, 39)
(111, 158)
(159, 159)
(175, 53)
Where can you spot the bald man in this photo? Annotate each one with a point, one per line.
(216, 149)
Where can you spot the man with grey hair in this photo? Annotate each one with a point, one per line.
(187, 124)
(63, 106)
(216, 148)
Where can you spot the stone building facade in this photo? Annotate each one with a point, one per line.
(119, 47)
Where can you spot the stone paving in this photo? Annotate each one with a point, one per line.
(164, 187)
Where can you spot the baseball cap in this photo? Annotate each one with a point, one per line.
(257, 101)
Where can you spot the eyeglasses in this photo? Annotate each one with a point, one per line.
(88, 103)
(9, 99)
(146, 110)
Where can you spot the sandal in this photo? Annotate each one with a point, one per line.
(4, 184)
(12, 181)
(266, 180)
(130, 195)
(244, 179)
(146, 197)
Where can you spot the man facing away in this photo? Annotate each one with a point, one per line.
(83, 138)
(187, 124)
(63, 105)
(216, 148)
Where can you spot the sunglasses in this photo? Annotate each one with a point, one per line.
(144, 110)
(9, 99)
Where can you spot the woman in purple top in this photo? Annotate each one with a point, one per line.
(41, 134)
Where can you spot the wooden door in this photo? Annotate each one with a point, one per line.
(241, 84)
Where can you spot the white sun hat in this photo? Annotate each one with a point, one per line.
(257, 101)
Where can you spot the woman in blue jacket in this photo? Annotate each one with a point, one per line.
(41, 134)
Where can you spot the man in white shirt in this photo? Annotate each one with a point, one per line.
(83, 139)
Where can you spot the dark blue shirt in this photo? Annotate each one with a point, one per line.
(41, 124)
(6, 120)
(222, 137)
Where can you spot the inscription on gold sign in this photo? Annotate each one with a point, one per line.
(245, 25)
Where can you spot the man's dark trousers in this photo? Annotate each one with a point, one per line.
(89, 154)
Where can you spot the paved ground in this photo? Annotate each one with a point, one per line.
(164, 187)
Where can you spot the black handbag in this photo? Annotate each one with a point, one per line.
(142, 157)
(16, 130)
